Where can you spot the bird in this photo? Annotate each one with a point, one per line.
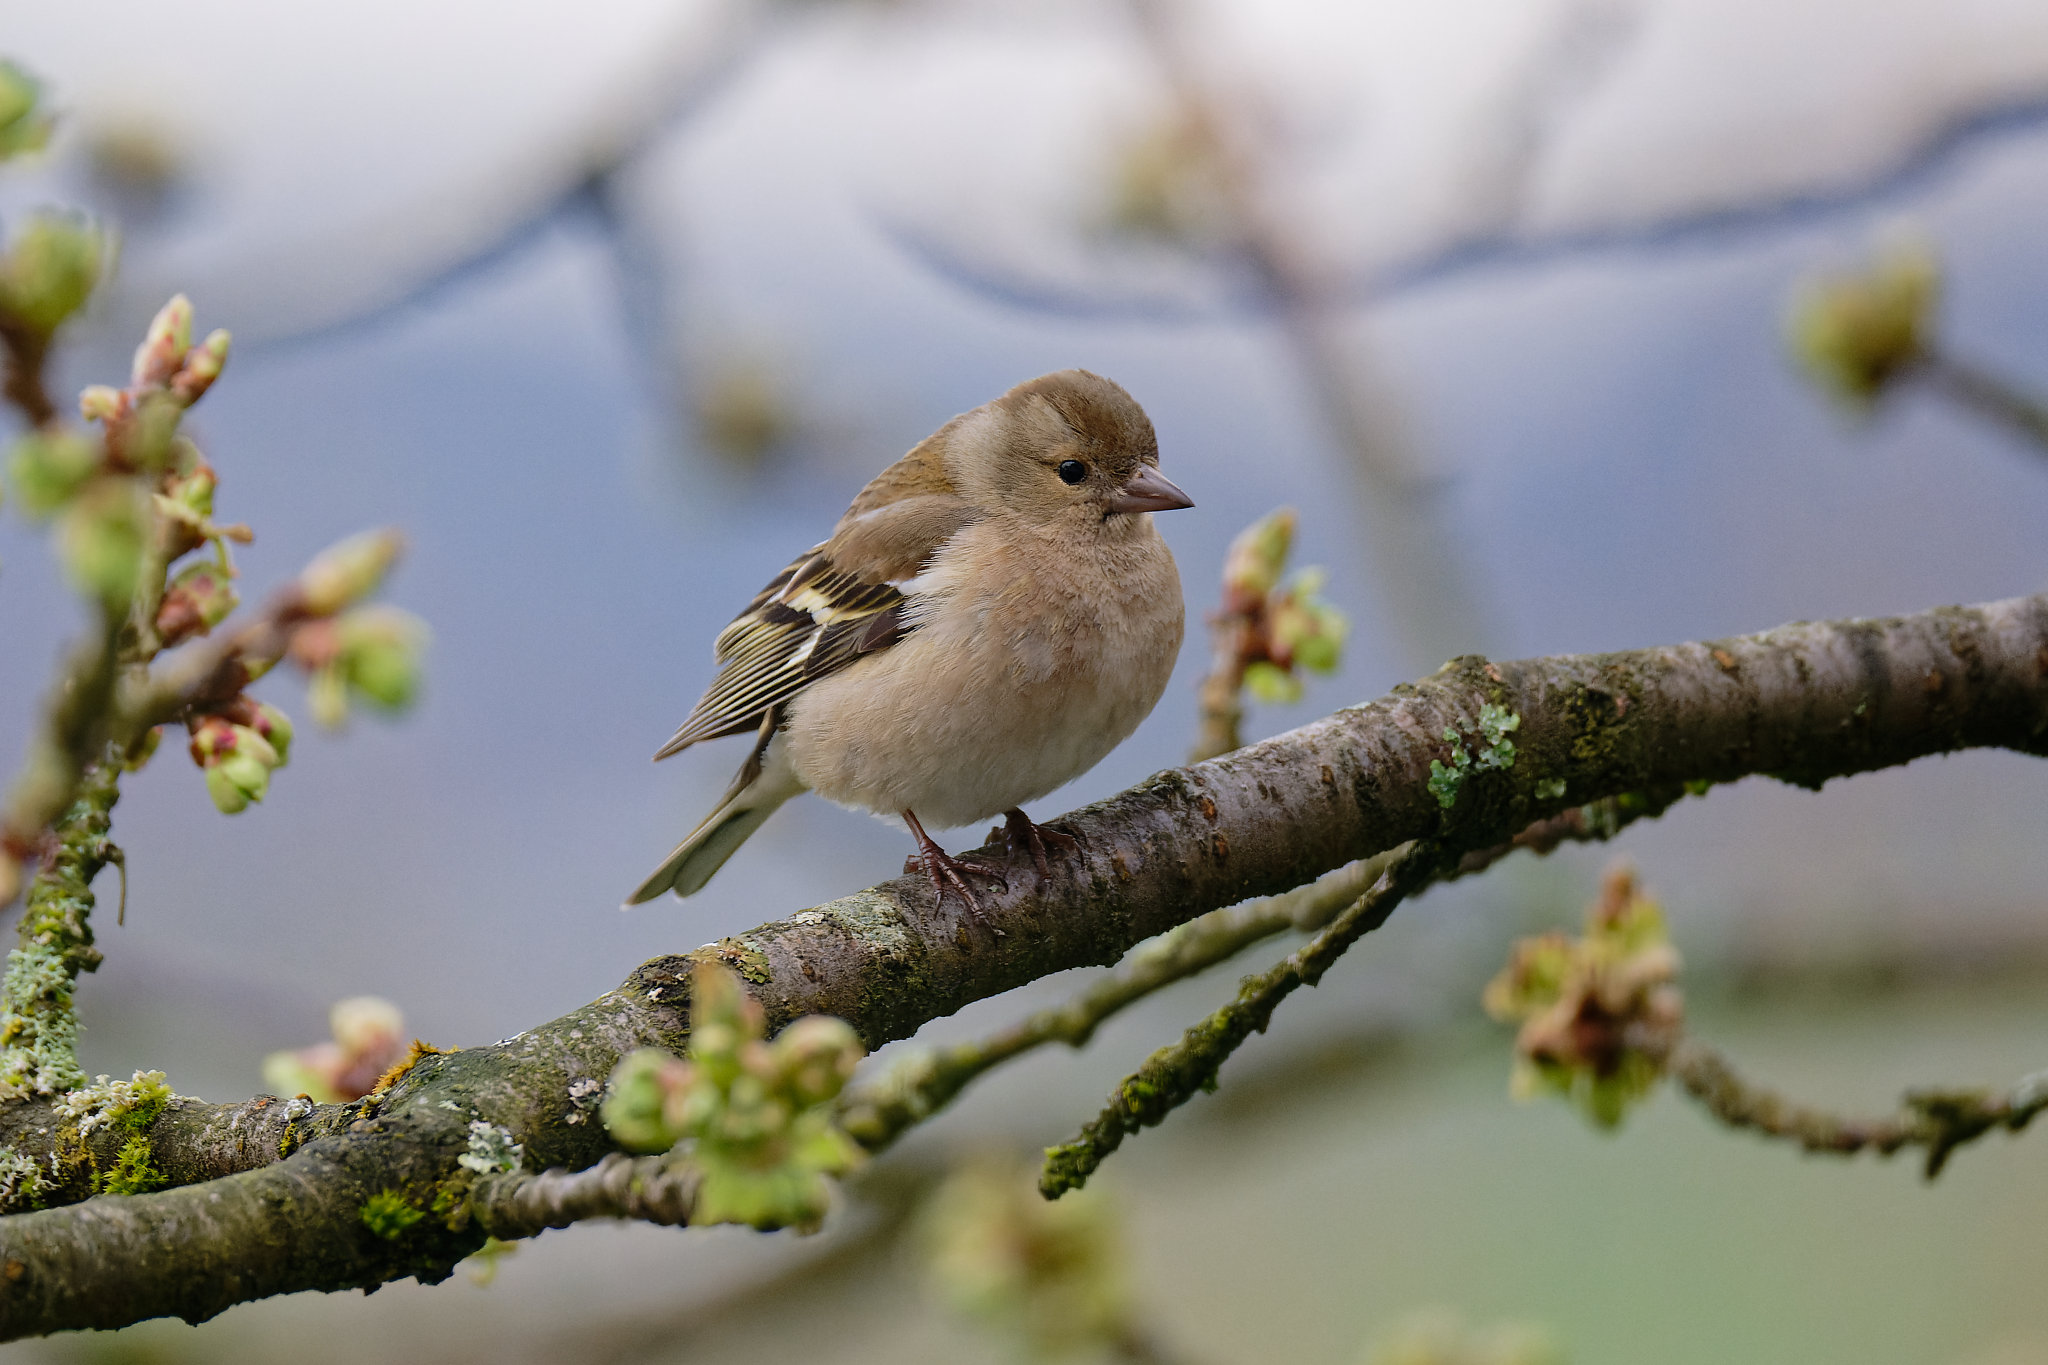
(994, 614)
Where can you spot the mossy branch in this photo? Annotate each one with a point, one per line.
(1804, 703)
(877, 1112)
(1936, 1120)
(1175, 1074)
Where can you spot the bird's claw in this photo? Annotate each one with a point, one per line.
(947, 871)
(1027, 835)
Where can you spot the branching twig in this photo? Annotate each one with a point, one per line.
(1433, 605)
(653, 1189)
(878, 1112)
(1939, 1120)
(1173, 1075)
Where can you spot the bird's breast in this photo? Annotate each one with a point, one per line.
(1024, 670)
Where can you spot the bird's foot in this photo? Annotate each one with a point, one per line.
(947, 871)
(1027, 835)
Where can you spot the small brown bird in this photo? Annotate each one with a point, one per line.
(994, 613)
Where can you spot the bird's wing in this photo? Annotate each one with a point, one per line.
(839, 601)
(812, 619)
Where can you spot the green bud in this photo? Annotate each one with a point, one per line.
(249, 744)
(344, 574)
(203, 364)
(22, 129)
(48, 466)
(327, 697)
(198, 599)
(636, 1099)
(229, 798)
(148, 439)
(246, 772)
(276, 727)
(50, 270)
(1271, 684)
(138, 758)
(100, 540)
(1854, 334)
(1307, 632)
(296, 1073)
(1253, 565)
(165, 343)
(815, 1057)
(380, 654)
(101, 402)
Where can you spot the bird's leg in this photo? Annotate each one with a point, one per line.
(1027, 834)
(945, 870)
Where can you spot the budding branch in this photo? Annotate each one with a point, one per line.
(282, 1206)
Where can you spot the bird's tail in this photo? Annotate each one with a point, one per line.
(758, 791)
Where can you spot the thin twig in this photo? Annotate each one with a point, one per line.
(1173, 1075)
(876, 1113)
(1987, 395)
(1939, 1120)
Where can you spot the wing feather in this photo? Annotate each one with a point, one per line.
(812, 619)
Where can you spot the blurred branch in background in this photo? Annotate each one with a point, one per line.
(1602, 1021)
(1211, 184)
(1861, 335)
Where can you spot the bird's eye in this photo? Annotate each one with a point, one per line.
(1072, 471)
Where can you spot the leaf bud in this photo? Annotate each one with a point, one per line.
(380, 654)
(327, 697)
(164, 345)
(815, 1057)
(1854, 334)
(346, 573)
(1253, 565)
(246, 773)
(50, 270)
(203, 364)
(1268, 682)
(229, 797)
(48, 466)
(198, 599)
(22, 129)
(276, 727)
(144, 750)
(100, 540)
(101, 403)
(636, 1100)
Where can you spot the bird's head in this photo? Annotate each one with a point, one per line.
(1067, 448)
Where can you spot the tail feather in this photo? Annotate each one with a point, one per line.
(744, 809)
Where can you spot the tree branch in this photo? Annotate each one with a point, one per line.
(1804, 703)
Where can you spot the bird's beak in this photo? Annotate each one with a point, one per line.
(1148, 490)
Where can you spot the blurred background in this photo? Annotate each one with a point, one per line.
(612, 312)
